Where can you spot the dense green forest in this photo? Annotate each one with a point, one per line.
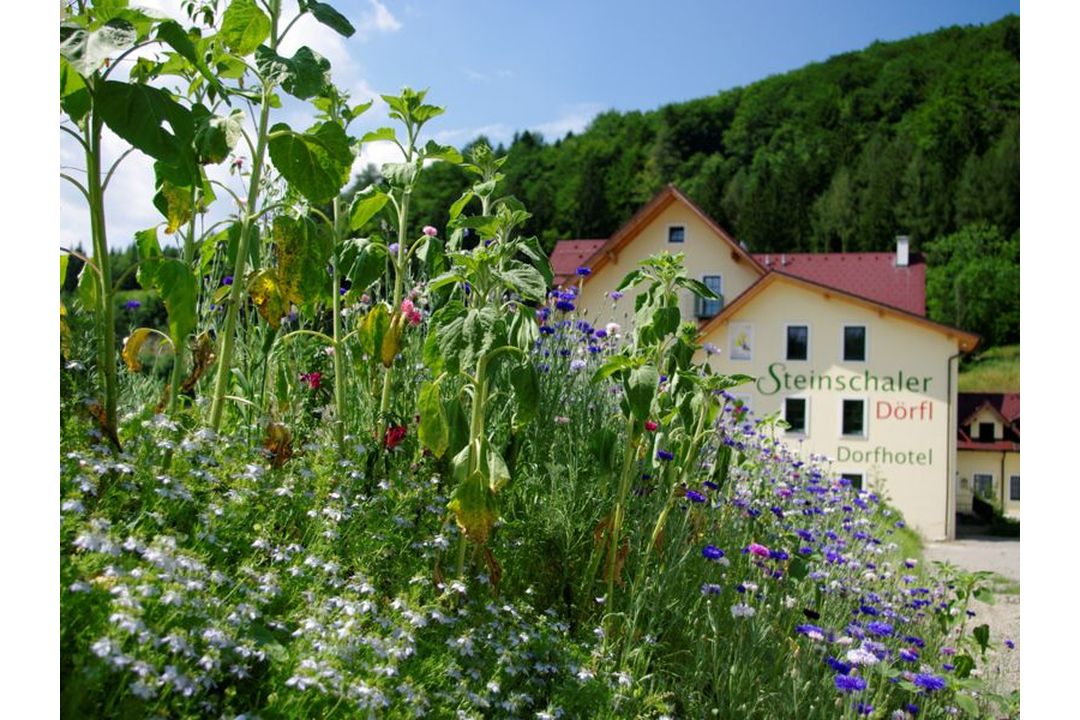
(918, 137)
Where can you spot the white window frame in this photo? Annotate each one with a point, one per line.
(866, 342)
(671, 227)
(805, 432)
(865, 417)
(809, 340)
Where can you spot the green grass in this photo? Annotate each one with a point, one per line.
(992, 370)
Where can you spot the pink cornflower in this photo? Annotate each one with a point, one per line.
(430, 231)
(759, 550)
(312, 379)
(408, 309)
(651, 425)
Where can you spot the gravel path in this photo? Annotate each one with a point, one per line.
(1001, 556)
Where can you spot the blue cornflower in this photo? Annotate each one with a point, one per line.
(881, 629)
(695, 496)
(864, 708)
(564, 306)
(778, 555)
(912, 709)
(547, 330)
(915, 640)
(664, 455)
(227, 280)
(812, 631)
(849, 683)
(711, 552)
(600, 333)
(577, 364)
(711, 589)
(584, 271)
(909, 655)
(132, 305)
(929, 682)
(838, 665)
(1010, 644)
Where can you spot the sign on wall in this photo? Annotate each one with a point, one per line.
(742, 341)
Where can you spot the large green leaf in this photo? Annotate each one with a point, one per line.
(435, 151)
(303, 76)
(173, 35)
(303, 253)
(400, 175)
(216, 136)
(87, 50)
(366, 206)
(244, 27)
(524, 280)
(640, 389)
(74, 97)
(316, 163)
(364, 262)
(526, 384)
(138, 114)
(434, 430)
(176, 284)
(467, 337)
(329, 17)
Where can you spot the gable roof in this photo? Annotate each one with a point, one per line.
(1004, 405)
(569, 255)
(633, 227)
(872, 275)
(965, 340)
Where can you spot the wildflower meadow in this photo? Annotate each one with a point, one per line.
(362, 469)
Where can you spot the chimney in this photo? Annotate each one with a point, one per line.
(902, 242)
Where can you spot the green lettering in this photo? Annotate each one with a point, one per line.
(887, 385)
(926, 383)
(912, 384)
(843, 454)
(775, 380)
(800, 382)
(841, 383)
(787, 381)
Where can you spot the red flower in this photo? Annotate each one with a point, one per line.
(313, 380)
(394, 435)
(651, 425)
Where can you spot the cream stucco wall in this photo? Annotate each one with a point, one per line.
(908, 451)
(706, 253)
(999, 465)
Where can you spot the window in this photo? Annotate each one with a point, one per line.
(795, 415)
(986, 432)
(984, 484)
(798, 342)
(1014, 487)
(853, 418)
(854, 343)
(676, 234)
(854, 478)
(708, 308)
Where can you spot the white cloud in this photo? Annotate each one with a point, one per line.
(574, 119)
(378, 19)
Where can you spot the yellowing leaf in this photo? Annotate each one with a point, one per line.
(132, 346)
(391, 341)
(278, 443)
(202, 356)
(269, 297)
(65, 333)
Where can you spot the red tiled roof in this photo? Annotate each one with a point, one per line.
(873, 276)
(568, 255)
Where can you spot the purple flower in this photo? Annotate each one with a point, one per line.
(711, 552)
(564, 306)
(1010, 644)
(881, 629)
(227, 280)
(615, 295)
(132, 305)
(929, 682)
(711, 589)
(393, 248)
(577, 364)
(430, 231)
(759, 550)
(664, 455)
(584, 271)
(909, 654)
(849, 683)
(864, 708)
(695, 496)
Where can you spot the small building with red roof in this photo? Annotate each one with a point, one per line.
(988, 451)
(844, 357)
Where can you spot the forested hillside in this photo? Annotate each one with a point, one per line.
(917, 137)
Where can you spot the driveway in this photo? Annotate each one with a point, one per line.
(1001, 556)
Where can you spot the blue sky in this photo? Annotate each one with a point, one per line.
(502, 66)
